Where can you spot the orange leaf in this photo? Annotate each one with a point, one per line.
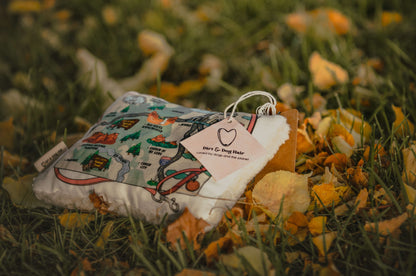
(386, 227)
(326, 74)
(298, 21)
(24, 6)
(298, 219)
(326, 194)
(304, 143)
(317, 225)
(192, 227)
(339, 160)
(388, 18)
(339, 22)
(230, 240)
(151, 43)
(172, 92)
(99, 203)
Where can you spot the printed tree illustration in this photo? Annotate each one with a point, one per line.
(125, 109)
(107, 165)
(132, 136)
(135, 150)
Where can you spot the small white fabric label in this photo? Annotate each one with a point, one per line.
(48, 158)
(224, 148)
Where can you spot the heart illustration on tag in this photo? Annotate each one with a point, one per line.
(226, 137)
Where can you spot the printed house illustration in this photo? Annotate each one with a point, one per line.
(95, 161)
(126, 124)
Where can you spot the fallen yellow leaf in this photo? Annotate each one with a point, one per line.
(402, 126)
(282, 189)
(75, 220)
(172, 92)
(317, 225)
(254, 256)
(105, 234)
(192, 227)
(326, 74)
(339, 160)
(351, 120)
(304, 143)
(409, 172)
(24, 6)
(325, 194)
(411, 194)
(386, 227)
(12, 160)
(21, 192)
(323, 242)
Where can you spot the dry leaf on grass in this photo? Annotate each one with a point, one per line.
(386, 227)
(192, 227)
(411, 194)
(5, 235)
(75, 220)
(298, 218)
(317, 225)
(13, 160)
(339, 160)
(401, 125)
(230, 240)
(326, 74)
(282, 189)
(323, 242)
(325, 194)
(171, 92)
(105, 234)
(409, 159)
(99, 203)
(287, 92)
(24, 6)
(21, 192)
(254, 256)
(304, 143)
(361, 200)
(194, 272)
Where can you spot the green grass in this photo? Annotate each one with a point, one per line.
(48, 72)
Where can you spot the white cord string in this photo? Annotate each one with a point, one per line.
(264, 109)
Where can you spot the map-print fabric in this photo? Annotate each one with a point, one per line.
(138, 143)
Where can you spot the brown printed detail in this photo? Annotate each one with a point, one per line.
(95, 161)
(101, 138)
(124, 123)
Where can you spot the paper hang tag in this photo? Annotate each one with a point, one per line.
(224, 148)
(48, 158)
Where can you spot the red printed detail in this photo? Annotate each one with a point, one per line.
(89, 181)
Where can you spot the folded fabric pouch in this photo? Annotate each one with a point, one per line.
(133, 158)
